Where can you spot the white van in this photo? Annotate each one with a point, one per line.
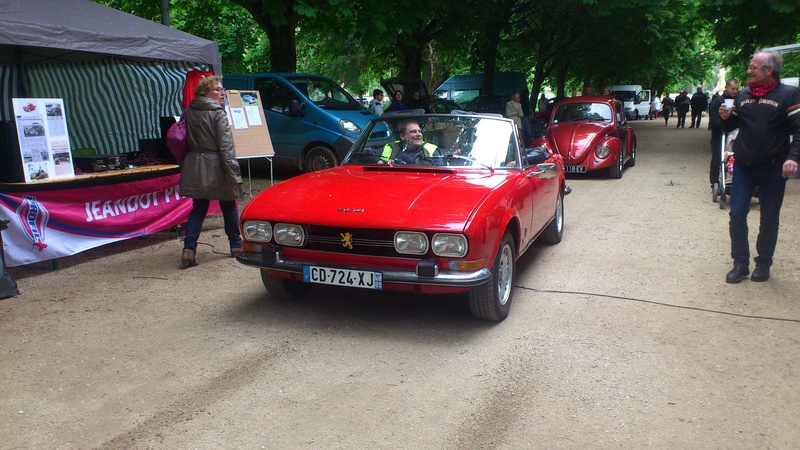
(635, 100)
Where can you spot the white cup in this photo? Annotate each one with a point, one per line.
(729, 103)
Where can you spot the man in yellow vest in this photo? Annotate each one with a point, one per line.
(410, 148)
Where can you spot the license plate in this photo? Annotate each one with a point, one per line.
(343, 277)
(575, 169)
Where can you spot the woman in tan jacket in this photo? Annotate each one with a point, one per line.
(210, 170)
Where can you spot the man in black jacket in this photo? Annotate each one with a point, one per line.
(767, 113)
(731, 89)
(681, 107)
(699, 104)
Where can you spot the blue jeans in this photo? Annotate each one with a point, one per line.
(771, 187)
(230, 215)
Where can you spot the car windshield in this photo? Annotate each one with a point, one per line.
(439, 140)
(624, 96)
(571, 112)
(325, 94)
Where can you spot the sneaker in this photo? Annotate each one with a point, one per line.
(737, 274)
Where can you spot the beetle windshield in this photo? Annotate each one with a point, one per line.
(439, 140)
(570, 112)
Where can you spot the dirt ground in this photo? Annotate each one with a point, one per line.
(624, 335)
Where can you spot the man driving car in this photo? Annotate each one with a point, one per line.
(410, 147)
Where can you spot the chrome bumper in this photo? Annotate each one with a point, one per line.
(272, 259)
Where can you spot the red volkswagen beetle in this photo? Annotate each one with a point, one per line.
(591, 133)
(445, 204)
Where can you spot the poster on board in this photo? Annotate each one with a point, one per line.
(43, 139)
(248, 124)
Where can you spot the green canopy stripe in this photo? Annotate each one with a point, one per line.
(110, 105)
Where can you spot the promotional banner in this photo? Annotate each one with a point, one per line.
(50, 224)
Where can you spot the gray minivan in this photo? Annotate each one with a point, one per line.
(461, 89)
(312, 121)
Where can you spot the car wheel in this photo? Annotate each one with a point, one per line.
(492, 300)
(284, 288)
(632, 159)
(616, 170)
(319, 158)
(555, 230)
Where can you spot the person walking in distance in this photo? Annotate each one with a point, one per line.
(699, 103)
(767, 114)
(731, 89)
(682, 107)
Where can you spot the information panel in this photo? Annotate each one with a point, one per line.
(43, 138)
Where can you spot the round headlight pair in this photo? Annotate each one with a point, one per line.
(444, 244)
(283, 233)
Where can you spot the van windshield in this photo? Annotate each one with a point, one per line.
(325, 93)
(624, 96)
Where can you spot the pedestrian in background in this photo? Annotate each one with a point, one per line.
(699, 103)
(666, 108)
(397, 102)
(541, 105)
(682, 107)
(767, 114)
(714, 124)
(376, 104)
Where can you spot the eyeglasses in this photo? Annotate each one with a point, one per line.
(219, 89)
(752, 67)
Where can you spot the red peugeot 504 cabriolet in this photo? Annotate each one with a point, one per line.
(446, 204)
(591, 133)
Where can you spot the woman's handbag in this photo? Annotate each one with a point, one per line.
(176, 139)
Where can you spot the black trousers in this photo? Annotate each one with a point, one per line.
(681, 118)
(696, 117)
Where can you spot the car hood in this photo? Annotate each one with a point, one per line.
(573, 140)
(371, 197)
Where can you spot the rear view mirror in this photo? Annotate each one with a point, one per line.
(535, 156)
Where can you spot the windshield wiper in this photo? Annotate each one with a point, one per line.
(470, 159)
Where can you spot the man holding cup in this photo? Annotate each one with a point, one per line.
(714, 124)
(767, 113)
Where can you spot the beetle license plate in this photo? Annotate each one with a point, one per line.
(343, 277)
(575, 169)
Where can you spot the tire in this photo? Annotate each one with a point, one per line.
(722, 201)
(284, 288)
(616, 170)
(632, 159)
(555, 230)
(319, 158)
(715, 192)
(492, 300)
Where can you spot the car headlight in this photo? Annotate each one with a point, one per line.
(289, 234)
(602, 151)
(256, 230)
(411, 242)
(350, 126)
(449, 245)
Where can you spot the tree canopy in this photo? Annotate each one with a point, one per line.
(665, 45)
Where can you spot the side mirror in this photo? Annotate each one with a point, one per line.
(296, 108)
(535, 156)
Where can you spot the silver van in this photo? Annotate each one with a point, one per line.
(461, 89)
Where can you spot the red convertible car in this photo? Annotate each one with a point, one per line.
(591, 133)
(446, 204)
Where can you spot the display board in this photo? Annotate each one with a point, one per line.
(43, 138)
(248, 125)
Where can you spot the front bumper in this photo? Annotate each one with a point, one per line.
(425, 274)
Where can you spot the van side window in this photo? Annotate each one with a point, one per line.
(620, 114)
(276, 96)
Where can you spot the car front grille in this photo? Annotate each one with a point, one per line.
(353, 241)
